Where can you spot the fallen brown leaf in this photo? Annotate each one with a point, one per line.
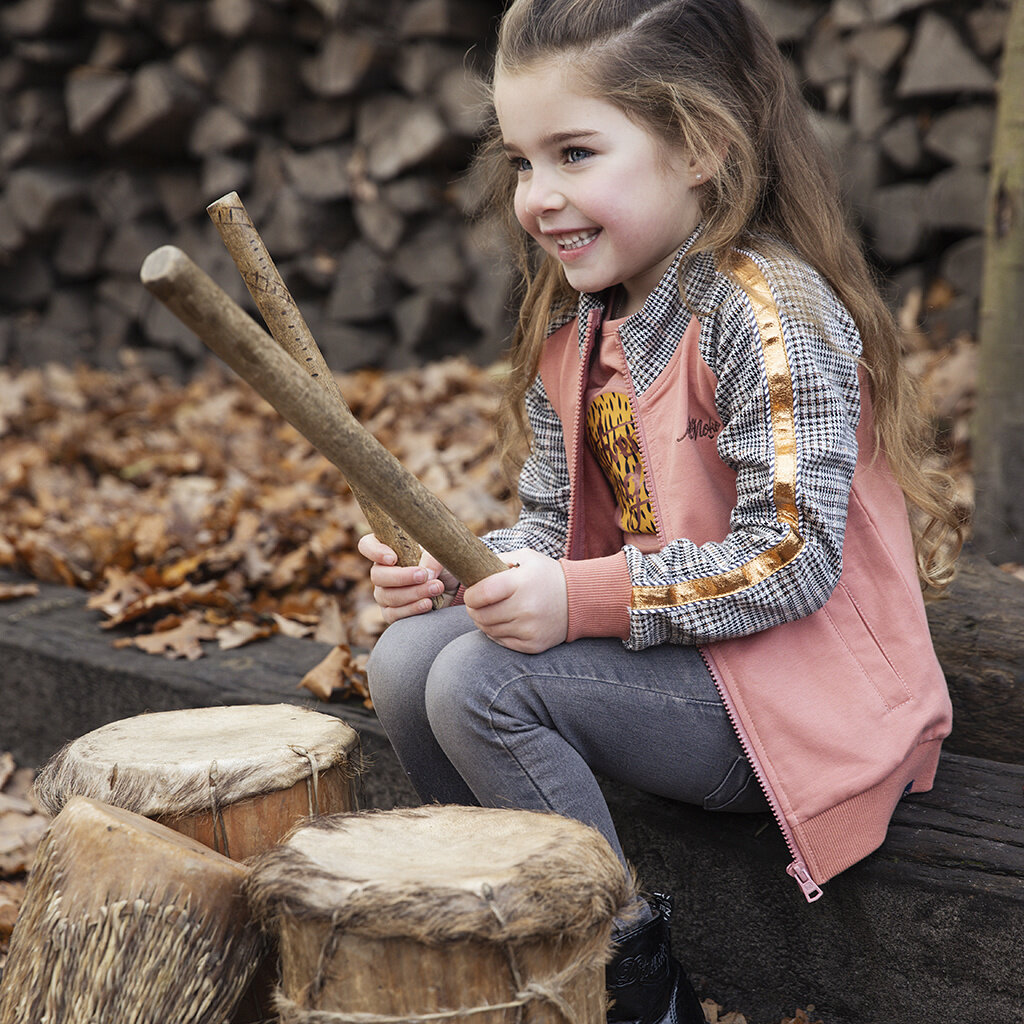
(121, 590)
(331, 628)
(182, 596)
(802, 1017)
(240, 632)
(181, 641)
(12, 895)
(1014, 569)
(340, 674)
(20, 833)
(22, 825)
(292, 627)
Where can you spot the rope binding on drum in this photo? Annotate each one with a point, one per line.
(549, 990)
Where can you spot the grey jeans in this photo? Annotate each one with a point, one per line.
(475, 723)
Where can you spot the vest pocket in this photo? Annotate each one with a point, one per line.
(855, 632)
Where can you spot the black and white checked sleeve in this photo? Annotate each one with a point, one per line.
(543, 485)
(789, 400)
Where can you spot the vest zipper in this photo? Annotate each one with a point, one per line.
(797, 869)
(572, 542)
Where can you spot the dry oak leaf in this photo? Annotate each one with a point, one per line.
(241, 632)
(19, 836)
(22, 824)
(340, 674)
(289, 627)
(209, 594)
(12, 895)
(331, 628)
(802, 1017)
(12, 591)
(181, 641)
(122, 589)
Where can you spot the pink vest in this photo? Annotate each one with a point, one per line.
(841, 712)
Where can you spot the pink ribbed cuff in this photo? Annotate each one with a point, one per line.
(600, 592)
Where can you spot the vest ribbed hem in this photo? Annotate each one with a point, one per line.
(844, 834)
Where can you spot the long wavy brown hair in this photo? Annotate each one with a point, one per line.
(706, 77)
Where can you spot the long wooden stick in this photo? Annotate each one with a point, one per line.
(232, 334)
(288, 326)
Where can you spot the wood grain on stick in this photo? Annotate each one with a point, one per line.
(288, 326)
(224, 327)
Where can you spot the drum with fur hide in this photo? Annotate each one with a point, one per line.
(234, 778)
(438, 913)
(127, 920)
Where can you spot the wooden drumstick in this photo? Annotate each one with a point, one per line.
(288, 326)
(204, 307)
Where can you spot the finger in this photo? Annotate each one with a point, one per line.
(397, 597)
(499, 626)
(493, 616)
(390, 615)
(514, 642)
(376, 550)
(491, 590)
(404, 611)
(398, 575)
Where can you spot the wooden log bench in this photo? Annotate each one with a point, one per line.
(928, 930)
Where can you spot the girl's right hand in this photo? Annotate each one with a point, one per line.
(404, 590)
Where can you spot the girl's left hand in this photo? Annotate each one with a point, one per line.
(526, 608)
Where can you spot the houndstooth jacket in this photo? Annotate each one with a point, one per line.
(822, 346)
(783, 549)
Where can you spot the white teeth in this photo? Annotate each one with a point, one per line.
(576, 240)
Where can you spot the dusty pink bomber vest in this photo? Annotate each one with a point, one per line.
(841, 712)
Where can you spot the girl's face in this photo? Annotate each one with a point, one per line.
(598, 192)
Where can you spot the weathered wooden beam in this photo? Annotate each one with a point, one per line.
(978, 632)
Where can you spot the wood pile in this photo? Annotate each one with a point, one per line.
(346, 127)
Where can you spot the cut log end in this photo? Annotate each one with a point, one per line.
(161, 268)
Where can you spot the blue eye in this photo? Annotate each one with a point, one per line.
(520, 163)
(574, 154)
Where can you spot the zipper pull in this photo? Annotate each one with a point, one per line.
(808, 887)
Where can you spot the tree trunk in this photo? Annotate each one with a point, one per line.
(998, 425)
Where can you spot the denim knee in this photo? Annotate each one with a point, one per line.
(391, 668)
(460, 689)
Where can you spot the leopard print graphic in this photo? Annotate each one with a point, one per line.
(613, 440)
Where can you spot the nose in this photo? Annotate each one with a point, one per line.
(542, 195)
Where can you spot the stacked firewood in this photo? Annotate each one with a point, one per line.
(346, 127)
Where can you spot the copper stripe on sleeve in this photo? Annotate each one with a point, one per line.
(780, 393)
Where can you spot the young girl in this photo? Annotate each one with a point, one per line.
(716, 595)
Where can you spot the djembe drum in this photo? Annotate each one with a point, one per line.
(127, 920)
(440, 913)
(234, 778)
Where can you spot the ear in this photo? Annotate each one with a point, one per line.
(705, 168)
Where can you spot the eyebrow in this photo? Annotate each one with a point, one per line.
(558, 138)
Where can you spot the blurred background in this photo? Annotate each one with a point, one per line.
(346, 127)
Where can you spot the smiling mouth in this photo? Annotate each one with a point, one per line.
(577, 240)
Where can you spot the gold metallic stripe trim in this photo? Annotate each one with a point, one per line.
(780, 392)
